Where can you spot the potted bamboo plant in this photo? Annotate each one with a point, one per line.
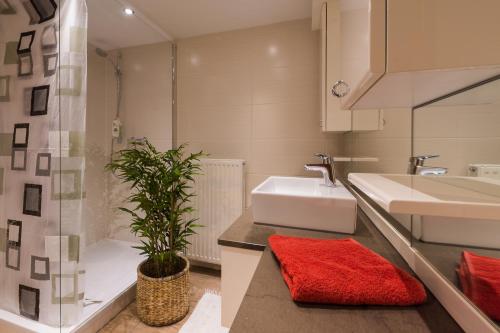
(160, 197)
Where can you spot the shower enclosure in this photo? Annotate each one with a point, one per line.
(65, 106)
(42, 161)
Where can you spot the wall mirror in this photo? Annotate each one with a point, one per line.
(464, 130)
(385, 151)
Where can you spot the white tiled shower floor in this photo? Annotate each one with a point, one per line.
(110, 267)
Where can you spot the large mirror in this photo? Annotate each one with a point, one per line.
(464, 130)
(385, 151)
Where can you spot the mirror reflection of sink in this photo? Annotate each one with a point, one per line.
(457, 231)
(304, 203)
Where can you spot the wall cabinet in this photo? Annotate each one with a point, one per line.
(397, 53)
(335, 118)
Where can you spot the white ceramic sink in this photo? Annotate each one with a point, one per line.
(304, 203)
(445, 209)
(457, 231)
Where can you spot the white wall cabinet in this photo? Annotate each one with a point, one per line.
(334, 118)
(397, 53)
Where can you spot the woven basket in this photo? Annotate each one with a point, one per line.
(162, 301)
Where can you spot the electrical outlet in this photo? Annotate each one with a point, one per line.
(484, 170)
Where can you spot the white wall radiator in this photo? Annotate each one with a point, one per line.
(219, 201)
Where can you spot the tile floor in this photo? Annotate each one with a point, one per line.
(127, 321)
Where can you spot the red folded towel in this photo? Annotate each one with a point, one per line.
(480, 280)
(342, 272)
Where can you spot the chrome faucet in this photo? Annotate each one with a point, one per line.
(327, 169)
(416, 166)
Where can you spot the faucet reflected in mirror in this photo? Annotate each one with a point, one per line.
(326, 167)
(416, 166)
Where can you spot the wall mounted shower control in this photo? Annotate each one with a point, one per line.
(116, 128)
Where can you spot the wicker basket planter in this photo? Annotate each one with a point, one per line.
(163, 301)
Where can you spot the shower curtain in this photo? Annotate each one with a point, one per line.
(42, 125)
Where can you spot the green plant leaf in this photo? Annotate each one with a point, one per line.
(161, 190)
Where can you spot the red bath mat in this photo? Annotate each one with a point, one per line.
(342, 272)
(480, 280)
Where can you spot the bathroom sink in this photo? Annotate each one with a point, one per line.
(304, 203)
(457, 231)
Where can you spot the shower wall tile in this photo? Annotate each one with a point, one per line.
(146, 111)
(254, 94)
(97, 145)
(146, 108)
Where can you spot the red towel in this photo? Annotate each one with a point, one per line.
(480, 280)
(342, 272)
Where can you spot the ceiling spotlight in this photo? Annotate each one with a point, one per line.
(128, 11)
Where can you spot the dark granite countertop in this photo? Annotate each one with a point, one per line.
(268, 307)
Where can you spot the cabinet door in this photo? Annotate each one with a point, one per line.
(322, 22)
(363, 51)
(334, 118)
(367, 120)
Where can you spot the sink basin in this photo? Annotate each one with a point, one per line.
(457, 231)
(304, 203)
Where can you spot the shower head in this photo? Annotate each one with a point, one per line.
(101, 53)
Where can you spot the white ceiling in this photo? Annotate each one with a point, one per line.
(159, 20)
(109, 29)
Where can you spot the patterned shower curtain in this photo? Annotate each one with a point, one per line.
(42, 127)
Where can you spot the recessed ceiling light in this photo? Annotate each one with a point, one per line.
(128, 11)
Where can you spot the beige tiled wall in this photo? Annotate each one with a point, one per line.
(392, 145)
(146, 105)
(95, 208)
(146, 111)
(462, 135)
(254, 94)
(463, 130)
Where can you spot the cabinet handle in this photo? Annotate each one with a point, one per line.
(340, 89)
